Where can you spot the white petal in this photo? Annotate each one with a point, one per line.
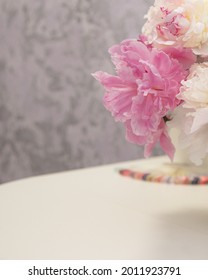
(200, 119)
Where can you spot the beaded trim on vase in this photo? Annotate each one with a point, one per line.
(171, 179)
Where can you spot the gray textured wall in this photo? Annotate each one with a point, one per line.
(51, 117)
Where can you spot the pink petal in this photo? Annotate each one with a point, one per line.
(118, 96)
(133, 138)
(184, 56)
(166, 145)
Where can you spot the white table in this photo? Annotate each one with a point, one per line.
(95, 213)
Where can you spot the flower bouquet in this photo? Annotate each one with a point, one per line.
(160, 90)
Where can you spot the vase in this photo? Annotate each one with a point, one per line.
(181, 163)
(181, 169)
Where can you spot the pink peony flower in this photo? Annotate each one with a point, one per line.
(144, 91)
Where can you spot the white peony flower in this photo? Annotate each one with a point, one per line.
(178, 23)
(194, 90)
(191, 117)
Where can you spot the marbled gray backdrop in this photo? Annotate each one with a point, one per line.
(51, 117)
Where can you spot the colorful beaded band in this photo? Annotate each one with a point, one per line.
(150, 177)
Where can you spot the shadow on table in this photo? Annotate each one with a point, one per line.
(188, 232)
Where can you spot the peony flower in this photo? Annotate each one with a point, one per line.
(194, 91)
(143, 91)
(192, 116)
(178, 23)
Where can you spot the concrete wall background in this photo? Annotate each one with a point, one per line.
(51, 116)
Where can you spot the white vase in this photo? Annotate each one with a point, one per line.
(181, 162)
